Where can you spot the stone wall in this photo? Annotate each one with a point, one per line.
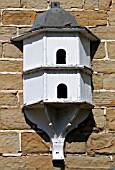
(92, 145)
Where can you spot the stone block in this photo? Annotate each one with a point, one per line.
(11, 82)
(9, 4)
(105, 4)
(111, 49)
(90, 18)
(12, 118)
(90, 4)
(9, 142)
(110, 125)
(101, 143)
(71, 4)
(21, 98)
(21, 30)
(99, 118)
(11, 51)
(102, 66)
(87, 162)
(10, 66)
(109, 81)
(1, 49)
(34, 4)
(111, 18)
(13, 163)
(33, 143)
(100, 53)
(106, 33)
(40, 162)
(18, 17)
(104, 99)
(8, 99)
(7, 32)
(98, 81)
(75, 147)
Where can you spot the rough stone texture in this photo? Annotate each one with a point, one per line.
(100, 53)
(0, 49)
(9, 142)
(21, 98)
(111, 119)
(7, 32)
(40, 162)
(99, 118)
(18, 17)
(111, 49)
(101, 4)
(107, 33)
(10, 82)
(71, 4)
(104, 99)
(107, 66)
(105, 4)
(21, 30)
(75, 147)
(90, 18)
(33, 143)
(10, 66)
(85, 162)
(111, 18)
(12, 118)
(101, 143)
(9, 4)
(90, 4)
(14, 52)
(109, 81)
(34, 4)
(13, 163)
(9, 99)
(98, 81)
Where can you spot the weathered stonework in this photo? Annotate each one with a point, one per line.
(90, 18)
(34, 4)
(7, 32)
(100, 53)
(99, 118)
(98, 81)
(10, 82)
(18, 17)
(106, 99)
(110, 119)
(8, 99)
(9, 4)
(14, 52)
(111, 50)
(101, 143)
(12, 118)
(33, 143)
(9, 142)
(10, 66)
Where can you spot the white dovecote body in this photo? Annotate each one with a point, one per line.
(51, 59)
(57, 86)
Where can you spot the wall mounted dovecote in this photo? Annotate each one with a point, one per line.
(57, 55)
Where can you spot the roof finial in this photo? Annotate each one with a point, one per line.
(55, 4)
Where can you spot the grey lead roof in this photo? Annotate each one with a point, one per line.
(55, 17)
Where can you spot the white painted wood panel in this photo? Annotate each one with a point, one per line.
(68, 42)
(33, 88)
(33, 52)
(84, 46)
(56, 78)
